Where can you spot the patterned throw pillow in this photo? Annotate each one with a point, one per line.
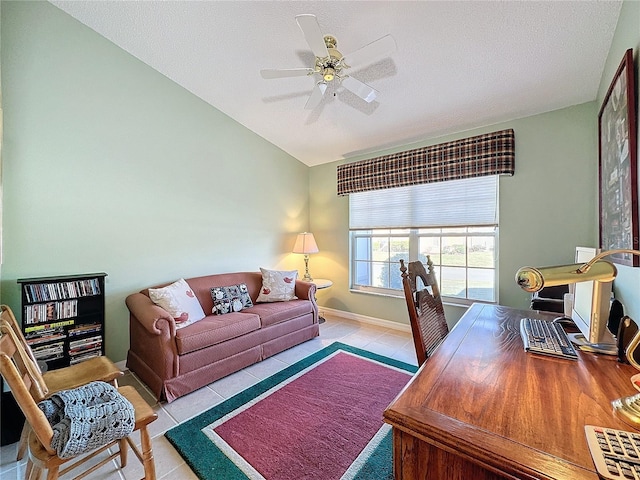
(179, 300)
(277, 286)
(230, 299)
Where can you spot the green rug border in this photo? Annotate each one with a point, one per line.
(204, 458)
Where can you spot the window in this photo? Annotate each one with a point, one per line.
(454, 222)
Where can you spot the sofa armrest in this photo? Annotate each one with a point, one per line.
(153, 318)
(152, 336)
(305, 291)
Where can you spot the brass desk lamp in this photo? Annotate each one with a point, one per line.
(594, 336)
(533, 279)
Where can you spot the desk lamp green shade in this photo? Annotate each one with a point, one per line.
(306, 244)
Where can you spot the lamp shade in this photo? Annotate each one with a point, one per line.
(305, 243)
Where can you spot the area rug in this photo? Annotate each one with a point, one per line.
(320, 418)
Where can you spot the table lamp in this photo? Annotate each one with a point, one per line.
(306, 244)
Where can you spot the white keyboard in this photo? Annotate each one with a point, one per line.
(546, 338)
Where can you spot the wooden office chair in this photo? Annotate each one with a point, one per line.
(94, 369)
(426, 313)
(13, 359)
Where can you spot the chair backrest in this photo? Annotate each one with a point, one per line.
(13, 354)
(426, 312)
(39, 389)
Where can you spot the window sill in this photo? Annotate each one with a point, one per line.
(449, 301)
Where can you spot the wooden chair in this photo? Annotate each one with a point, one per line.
(426, 313)
(13, 359)
(98, 368)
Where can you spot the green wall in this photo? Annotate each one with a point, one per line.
(110, 166)
(545, 209)
(627, 285)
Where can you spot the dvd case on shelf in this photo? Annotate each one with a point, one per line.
(63, 317)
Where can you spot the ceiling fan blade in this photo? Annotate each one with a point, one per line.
(316, 96)
(311, 30)
(285, 72)
(383, 47)
(361, 89)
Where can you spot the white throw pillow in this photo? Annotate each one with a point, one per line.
(179, 300)
(277, 285)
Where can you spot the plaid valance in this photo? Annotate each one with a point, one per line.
(489, 154)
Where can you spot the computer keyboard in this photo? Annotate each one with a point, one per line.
(615, 453)
(547, 338)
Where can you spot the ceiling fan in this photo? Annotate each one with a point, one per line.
(331, 65)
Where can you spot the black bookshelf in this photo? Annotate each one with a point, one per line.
(63, 318)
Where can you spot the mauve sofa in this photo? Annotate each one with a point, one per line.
(174, 362)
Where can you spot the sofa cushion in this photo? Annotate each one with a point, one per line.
(232, 298)
(214, 329)
(202, 285)
(277, 286)
(179, 300)
(272, 313)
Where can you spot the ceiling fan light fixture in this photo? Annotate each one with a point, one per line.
(330, 64)
(328, 74)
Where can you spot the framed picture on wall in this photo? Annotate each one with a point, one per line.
(618, 167)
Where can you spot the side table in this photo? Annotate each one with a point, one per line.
(321, 283)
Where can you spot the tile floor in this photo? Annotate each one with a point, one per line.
(169, 464)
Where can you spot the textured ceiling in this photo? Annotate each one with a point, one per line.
(458, 65)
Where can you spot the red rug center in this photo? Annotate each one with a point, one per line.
(315, 426)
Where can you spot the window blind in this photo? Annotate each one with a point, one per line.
(465, 202)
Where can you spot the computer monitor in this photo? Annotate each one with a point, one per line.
(590, 310)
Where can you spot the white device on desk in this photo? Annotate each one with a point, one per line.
(591, 296)
(615, 453)
(546, 338)
(590, 310)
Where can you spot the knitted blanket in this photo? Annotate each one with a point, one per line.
(87, 417)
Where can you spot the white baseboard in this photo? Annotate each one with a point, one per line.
(355, 317)
(122, 365)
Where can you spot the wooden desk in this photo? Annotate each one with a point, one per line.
(483, 408)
